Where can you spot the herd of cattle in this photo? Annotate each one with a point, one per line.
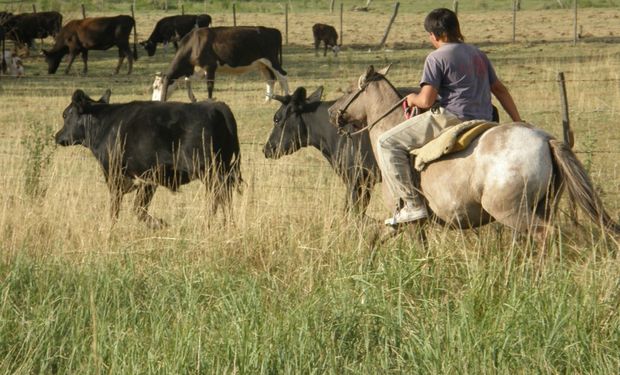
(170, 144)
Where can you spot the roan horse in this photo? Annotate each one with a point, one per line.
(513, 173)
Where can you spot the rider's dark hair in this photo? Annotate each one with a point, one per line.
(443, 21)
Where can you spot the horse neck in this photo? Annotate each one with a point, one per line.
(381, 96)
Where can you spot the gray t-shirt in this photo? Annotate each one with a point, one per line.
(462, 75)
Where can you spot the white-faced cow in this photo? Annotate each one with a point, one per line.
(229, 49)
(25, 27)
(100, 33)
(302, 122)
(174, 28)
(326, 34)
(141, 145)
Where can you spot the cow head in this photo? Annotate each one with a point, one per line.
(149, 46)
(77, 118)
(290, 132)
(53, 58)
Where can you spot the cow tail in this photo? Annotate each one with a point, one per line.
(580, 188)
(234, 179)
(135, 41)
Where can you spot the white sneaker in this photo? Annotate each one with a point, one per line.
(407, 214)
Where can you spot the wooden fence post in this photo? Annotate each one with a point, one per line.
(331, 6)
(83, 11)
(568, 133)
(455, 6)
(182, 9)
(387, 31)
(574, 22)
(234, 14)
(34, 9)
(286, 23)
(341, 32)
(135, 25)
(514, 20)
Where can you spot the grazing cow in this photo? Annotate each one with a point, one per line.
(141, 145)
(172, 29)
(101, 33)
(24, 28)
(301, 122)
(326, 34)
(232, 49)
(14, 65)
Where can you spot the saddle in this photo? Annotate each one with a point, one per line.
(453, 139)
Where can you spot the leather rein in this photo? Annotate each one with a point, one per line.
(339, 114)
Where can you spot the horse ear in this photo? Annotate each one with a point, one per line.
(384, 71)
(106, 97)
(370, 70)
(316, 95)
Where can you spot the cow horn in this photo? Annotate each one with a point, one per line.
(279, 98)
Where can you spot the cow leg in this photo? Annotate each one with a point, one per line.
(317, 43)
(85, 60)
(324, 49)
(270, 77)
(190, 92)
(144, 195)
(72, 56)
(210, 80)
(121, 57)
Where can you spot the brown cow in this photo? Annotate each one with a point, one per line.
(101, 33)
(326, 34)
(227, 49)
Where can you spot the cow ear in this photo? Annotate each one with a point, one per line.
(384, 71)
(299, 95)
(106, 97)
(316, 95)
(81, 101)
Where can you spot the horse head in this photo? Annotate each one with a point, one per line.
(351, 108)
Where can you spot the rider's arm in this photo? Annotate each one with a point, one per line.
(503, 95)
(425, 99)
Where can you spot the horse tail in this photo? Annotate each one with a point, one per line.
(580, 188)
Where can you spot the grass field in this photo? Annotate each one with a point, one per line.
(292, 285)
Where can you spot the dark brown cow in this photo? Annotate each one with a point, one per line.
(174, 28)
(24, 28)
(231, 49)
(326, 34)
(101, 33)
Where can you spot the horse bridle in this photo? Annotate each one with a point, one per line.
(341, 111)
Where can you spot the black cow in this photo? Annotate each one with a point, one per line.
(24, 28)
(326, 34)
(301, 122)
(100, 33)
(234, 49)
(141, 145)
(174, 28)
